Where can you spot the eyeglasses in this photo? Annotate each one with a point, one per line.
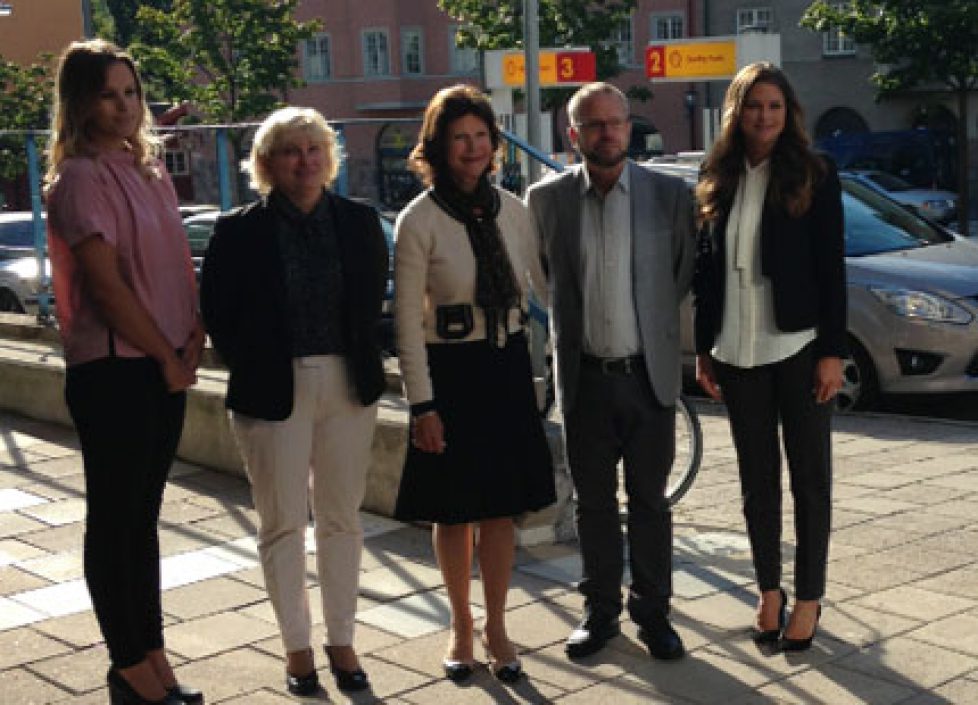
(600, 125)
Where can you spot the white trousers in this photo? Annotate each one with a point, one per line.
(330, 433)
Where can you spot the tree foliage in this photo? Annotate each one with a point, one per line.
(124, 12)
(498, 24)
(24, 105)
(232, 59)
(917, 44)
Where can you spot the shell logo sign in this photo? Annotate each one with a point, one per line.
(703, 60)
(558, 67)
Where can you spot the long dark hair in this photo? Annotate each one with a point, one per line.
(795, 168)
(429, 158)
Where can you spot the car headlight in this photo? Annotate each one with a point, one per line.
(921, 304)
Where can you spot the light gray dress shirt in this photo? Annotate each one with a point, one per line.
(610, 325)
(749, 337)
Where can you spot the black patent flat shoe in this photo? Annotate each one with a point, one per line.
(508, 671)
(347, 681)
(770, 636)
(302, 685)
(786, 644)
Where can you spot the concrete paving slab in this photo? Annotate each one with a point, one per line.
(57, 600)
(412, 616)
(77, 630)
(914, 602)
(911, 663)
(14, 579)
(205, 598)
(214, 634)
(963, 582)
(959, 633)
(861, 626)
(13, 499)
(78, 672)
(838, 686)
(24, 645)
(483, 689)
(22, 687)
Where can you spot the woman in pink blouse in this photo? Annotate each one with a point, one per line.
(126, 304)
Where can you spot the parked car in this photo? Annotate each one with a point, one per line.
(912, 299)
(19, 285)
(936, 204)
(17, 234)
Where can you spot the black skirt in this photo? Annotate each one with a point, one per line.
(496, 461)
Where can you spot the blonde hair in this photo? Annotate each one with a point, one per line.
(79, 79)
(276, 129)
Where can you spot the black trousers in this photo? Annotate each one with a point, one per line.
(129, 427)
(757, 399)
(616, 417)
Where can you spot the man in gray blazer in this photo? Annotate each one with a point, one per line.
(618, 243)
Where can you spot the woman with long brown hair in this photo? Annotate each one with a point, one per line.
(126, 302)
(770, 319)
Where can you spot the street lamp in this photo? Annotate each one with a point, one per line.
(690, 100)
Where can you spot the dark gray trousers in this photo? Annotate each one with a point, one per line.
(616, 417)
(757, 399)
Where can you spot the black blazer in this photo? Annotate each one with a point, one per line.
(803, 257)
(243, 302)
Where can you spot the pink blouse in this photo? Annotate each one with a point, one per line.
(110, 197)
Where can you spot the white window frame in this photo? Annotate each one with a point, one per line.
(408, 36)
(755, 18)
(379, 65)
(177, 162)
(835, 42)
(465, 60)
(670, 18)
(314, 68)
(624, 46)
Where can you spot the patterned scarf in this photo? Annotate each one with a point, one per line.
(496, 291)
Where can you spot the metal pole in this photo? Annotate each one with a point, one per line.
(88, 30)
(223, 172)
(342, 187)
(531, 49)
(40, 244)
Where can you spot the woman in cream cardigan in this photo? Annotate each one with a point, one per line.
(466, 256)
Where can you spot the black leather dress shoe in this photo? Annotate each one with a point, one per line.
(591, 635)
(661, 639)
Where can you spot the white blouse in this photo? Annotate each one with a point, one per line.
(749, 336)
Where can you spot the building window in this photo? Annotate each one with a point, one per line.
(6, 9)
(177, 162)
(376, 55)
(667, 26)
(412, 52)
(316, 63)
(754, 19)
(835, 42)
(463, 60)
(621, 40)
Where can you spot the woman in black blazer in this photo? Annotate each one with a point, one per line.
(291, 295)
(770, 320)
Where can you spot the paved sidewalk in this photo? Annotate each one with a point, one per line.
(900, 622)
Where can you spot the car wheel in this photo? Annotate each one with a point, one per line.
(860, 387)
(9, 303)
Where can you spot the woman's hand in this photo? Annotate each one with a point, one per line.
(706, 377)
(828, 379)
(427, 433)
(176, 374)
(194, 347)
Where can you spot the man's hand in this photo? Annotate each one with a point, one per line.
(706, 377)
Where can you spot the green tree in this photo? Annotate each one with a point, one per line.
(24, 105)
(498, 24)
(233, 60)
(916, 44)
(123, 14)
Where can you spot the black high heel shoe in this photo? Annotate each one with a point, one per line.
(347, 681)
(786, 644)
(455, 670)
(769, 636)
(186, 694)
(121, 693)
(508, 671)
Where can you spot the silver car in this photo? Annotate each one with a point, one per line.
(936, 204)
(913, 301)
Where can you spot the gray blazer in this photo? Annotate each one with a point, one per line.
(663, 245)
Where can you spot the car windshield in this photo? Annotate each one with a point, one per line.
(889, 182)
(876, 224)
